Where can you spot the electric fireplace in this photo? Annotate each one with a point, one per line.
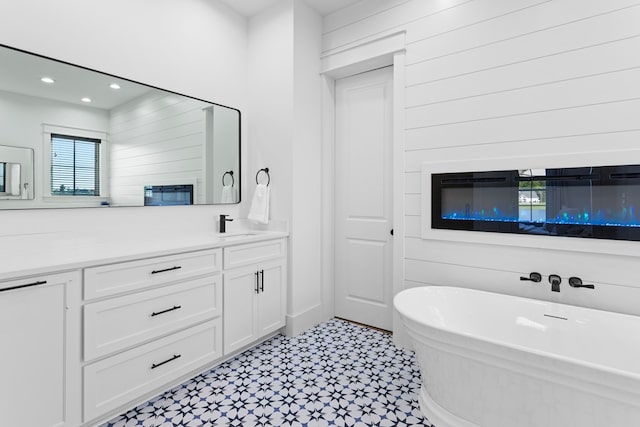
(168, 195)
(592, 202)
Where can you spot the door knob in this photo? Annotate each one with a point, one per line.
(391, 232)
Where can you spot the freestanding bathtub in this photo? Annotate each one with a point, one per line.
(494, 360)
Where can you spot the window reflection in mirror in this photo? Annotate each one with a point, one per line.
(532, 196)
(148, 137)
(75, 166)
(3, 167)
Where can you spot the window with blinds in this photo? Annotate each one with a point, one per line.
(75, 166)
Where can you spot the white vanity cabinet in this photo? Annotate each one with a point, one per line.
(162, 320)
(95, 337)
(37, 387)
(254, 292)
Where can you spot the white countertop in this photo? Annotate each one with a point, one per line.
(29, 255)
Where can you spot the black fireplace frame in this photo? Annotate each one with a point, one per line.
(603, 182)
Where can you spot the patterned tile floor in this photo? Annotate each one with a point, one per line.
(336, 374)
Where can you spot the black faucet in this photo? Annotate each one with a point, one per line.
(533, 277)
(576, 282)
(223, 223)
(555, 280)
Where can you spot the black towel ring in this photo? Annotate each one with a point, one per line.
(265, 170)
(233, 181)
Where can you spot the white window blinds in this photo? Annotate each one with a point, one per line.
(75, 166)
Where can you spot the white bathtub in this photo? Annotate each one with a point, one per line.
(494, 360)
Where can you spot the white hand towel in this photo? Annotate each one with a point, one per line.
(260, 205)
(229, 194)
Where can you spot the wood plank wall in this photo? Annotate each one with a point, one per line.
(156, 139)
(502, 78)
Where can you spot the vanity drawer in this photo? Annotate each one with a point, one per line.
(241, 255)
(117, 323)
(129, 276)
(123, 378)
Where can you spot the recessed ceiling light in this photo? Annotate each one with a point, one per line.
(85, 99)
(47, 80)
(114, 86)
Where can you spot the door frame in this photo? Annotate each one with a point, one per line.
(386, 51)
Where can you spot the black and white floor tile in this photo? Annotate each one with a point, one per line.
(336, 374)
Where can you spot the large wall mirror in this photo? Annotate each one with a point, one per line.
(74, 137)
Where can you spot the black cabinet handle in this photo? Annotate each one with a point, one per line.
(157, 365)
(28, 285)
(157, 313)
(262, 283)
(533, 277)
(257, 282)
(576, 282)
(166, 269)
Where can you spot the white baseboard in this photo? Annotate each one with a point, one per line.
(298, 323)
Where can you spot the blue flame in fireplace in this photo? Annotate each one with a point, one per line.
(626, 217)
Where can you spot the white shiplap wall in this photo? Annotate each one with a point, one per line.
(156, 139)
(489, 79)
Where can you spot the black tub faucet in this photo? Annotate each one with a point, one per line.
(576, 282)
(533, 277)
(555, 280)
(223, 223)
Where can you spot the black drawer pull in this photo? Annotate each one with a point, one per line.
(166, 269)
(157, 365)
(157, 313)
(28, 285)
(262, 282)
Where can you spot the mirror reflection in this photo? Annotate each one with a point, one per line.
(91, 139)
(16, 173)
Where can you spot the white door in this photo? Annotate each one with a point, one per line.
(363, 204)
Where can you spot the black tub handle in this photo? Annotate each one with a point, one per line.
(533, 277)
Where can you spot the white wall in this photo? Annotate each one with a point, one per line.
(500, 78)
(195, 47)
(306, 272)
(271, 104)
(284, 135)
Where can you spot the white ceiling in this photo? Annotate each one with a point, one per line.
(253, 7)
